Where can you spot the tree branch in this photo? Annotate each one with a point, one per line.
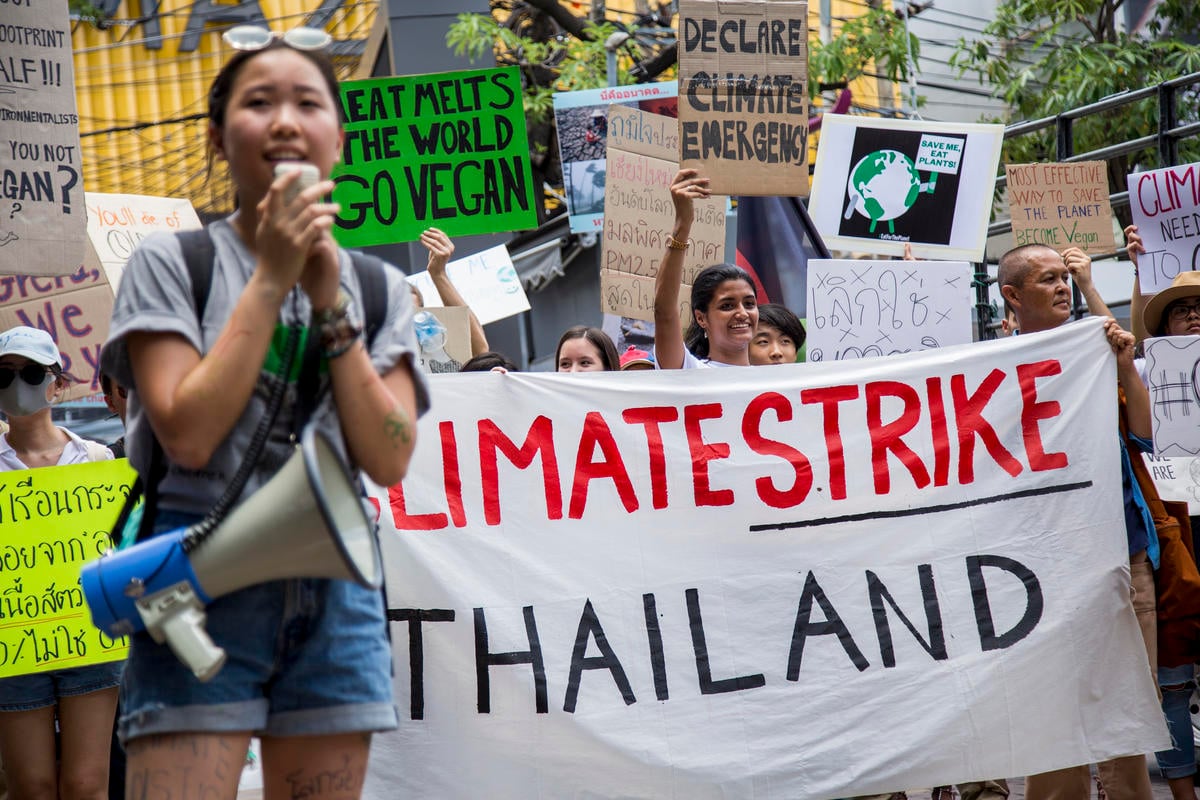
(576, 26)
(651, 68)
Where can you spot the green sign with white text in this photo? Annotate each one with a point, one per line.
(448, 150)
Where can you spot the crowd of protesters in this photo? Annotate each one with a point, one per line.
(276, 272)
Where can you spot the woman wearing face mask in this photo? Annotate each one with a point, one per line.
(85, 698)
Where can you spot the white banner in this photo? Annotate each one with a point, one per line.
(804, 581)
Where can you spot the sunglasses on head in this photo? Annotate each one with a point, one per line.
(252, 37)
(33, 374)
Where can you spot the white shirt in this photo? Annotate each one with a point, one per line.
(76, 451)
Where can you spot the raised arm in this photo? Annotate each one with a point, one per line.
(1137, 301)
(1137, 397)
(668, 332)
(440, 251)
(1079, 264)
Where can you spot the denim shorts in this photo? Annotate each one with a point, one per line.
(304, 657)
(41, 689)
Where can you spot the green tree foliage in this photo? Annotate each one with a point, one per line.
(875, 39)
(1043, 57)
(86, 12)
(550, 60)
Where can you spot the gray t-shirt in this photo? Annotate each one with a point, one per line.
(155, 295)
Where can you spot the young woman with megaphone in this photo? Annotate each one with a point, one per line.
(307, 661)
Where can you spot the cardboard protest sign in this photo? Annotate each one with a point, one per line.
(75, 309)
(1061, 205)
(743, 78)
(54, 520)
(880, 183)
(1166, 209)
(448, 150)
(581, 125)
(859, 309)
(453, 349)
(487, 281)
(118, 222)
(42, 223)
(1172, 377)
(667, 584)
(639, 213)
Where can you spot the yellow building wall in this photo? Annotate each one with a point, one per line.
(142, 87)
(141, 90)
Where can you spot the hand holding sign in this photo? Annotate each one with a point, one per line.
(688, 185)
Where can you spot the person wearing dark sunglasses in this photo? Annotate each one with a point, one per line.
(84, 699)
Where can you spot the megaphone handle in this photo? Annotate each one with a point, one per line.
(185, 634)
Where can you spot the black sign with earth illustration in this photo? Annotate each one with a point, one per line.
(903, 186)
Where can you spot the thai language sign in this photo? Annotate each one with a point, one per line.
(1166, 208)
(42, 222)
(882, 183)
(859, 309)
(54, 520)
(581, 125)
(639, 213)
(743, 87)
(448, 150)
(666, 584)
(75, 309)
(1061, 205)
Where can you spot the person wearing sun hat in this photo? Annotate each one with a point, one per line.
(1175, 311)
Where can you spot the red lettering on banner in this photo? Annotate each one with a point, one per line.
(968, 418)
(829, 397)
(411, 522)
(596, 432)
(540, 439)
(651, 418)
(451, 477)
(703, 452)
(941, 434)
(751, 421)
(1033, 411)
(885, 437)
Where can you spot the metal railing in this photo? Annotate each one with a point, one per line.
(1165, 140)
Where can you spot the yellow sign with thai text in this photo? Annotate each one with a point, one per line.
(54, 520)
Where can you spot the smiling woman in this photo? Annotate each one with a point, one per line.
(724, 304)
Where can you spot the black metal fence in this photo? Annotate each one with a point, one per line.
(1171, 108)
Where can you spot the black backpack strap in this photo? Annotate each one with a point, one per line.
(200, 255)
(372, 281)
